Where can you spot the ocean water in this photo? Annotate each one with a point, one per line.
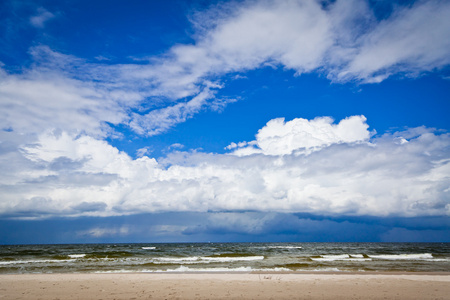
(225, 257)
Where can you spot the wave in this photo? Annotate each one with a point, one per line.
(76, 255)
(326, 270)
(284, 247)
(233, 254)
(109, 254)
(148, 248)
(419, 256)
(13, 262)
(177, 259)
(342, 257)
(231, 259)
(362, 257)
(119, 271)
(238, 269)
(187, 269)
(205, 259)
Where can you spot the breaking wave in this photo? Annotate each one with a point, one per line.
(420, 256)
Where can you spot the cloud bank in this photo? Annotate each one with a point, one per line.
(399, 174)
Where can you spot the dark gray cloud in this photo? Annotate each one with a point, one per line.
(224, 227)
(90, 206)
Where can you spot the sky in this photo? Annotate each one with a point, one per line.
(224, 121)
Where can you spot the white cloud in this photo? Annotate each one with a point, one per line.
(413, 40)
(293, 33)
(303, 136)
(66, 171)
(41, 17)
(342, 40)
(143, 151)
(160, 120)
(55, 111)
(67, 175)
(35, 102)
(47, 96)
(176, 146)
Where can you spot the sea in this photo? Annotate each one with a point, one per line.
(225, 257)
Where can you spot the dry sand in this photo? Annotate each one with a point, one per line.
(225, 286)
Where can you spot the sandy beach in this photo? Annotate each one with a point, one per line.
(225, 286)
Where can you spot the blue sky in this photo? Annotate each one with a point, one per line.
(192, 121)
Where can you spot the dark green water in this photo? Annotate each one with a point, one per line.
(225, 257)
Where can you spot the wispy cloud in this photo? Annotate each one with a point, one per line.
(41, 17)
(342, 40)
(412, 40)
(161, 120)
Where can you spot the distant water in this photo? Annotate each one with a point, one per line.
(225, 257)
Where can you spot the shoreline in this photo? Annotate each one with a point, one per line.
(259, 285)
(362, 273)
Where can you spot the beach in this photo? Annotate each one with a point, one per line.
(226, 286)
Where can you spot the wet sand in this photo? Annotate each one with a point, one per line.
(226, 286)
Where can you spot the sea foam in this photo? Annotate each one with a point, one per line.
(419, 256)
(76, 255)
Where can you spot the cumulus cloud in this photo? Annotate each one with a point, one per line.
(303, 136)
(379, 177)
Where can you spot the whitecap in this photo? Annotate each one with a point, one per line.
(418, 256)
(331, 257)
(33, 261)
(327, 270)
(285, 247)
(77, 255)
(176, 259)
(230, 259)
